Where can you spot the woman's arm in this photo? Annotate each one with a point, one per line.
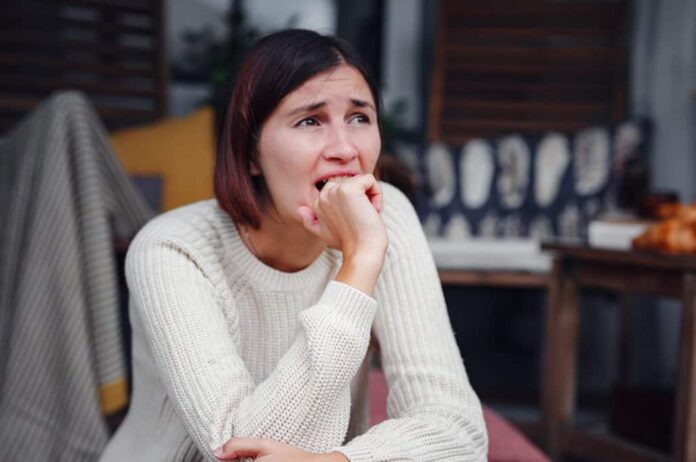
(434, 413)
(305, 401)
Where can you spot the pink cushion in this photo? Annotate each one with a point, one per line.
(505, 442)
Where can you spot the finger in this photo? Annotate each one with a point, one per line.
(373, 190)
(309, 219)
(366, 180)
(374, 193)
(240, 447)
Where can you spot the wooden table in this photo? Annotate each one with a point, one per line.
(507, 279)
(575, 267)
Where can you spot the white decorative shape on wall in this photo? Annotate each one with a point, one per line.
(569, 221)
(511, 226)
(626, 139)
(550, 165)
(540, 228)
(431, 226)
(591, 208)
(476, 169)
(441, 175)
(488, 225)
(513, 158)
(592, 166)
(457, 228)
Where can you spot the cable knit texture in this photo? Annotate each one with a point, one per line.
(224, 345)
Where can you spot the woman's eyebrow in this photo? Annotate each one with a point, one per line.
(362, 103)
(307, 108)
(314, 106)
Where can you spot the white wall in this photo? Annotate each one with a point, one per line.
(266, 15)
(270, 15)
(181, 15)
(401, 57)
(663, 73)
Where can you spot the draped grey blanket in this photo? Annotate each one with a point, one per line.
(63, 198)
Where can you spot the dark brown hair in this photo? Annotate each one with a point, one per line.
(278, 64)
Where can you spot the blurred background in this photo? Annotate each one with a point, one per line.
(506, 122)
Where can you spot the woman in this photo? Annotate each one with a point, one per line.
(255, 315)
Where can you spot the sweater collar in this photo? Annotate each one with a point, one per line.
(256, 270)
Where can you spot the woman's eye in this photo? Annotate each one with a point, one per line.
(360, 118)
(307, 122)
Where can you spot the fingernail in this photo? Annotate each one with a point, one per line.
(219, 452)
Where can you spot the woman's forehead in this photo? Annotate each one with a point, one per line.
(341, 82)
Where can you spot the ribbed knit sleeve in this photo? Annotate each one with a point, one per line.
(304, 401)
(434, 414)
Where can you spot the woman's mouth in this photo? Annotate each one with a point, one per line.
(335, 179)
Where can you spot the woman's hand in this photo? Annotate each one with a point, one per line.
(347, 217)
(267, 450)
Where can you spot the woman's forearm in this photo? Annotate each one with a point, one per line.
(361, 271)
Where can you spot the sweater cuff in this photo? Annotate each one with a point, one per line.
(355, 454)
(351, 302)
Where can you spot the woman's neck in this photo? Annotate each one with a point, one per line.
(284, 247)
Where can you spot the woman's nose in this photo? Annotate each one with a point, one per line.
(339, 145)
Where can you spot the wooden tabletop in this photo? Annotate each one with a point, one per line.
(654, 259)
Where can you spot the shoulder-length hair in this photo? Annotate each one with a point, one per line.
(278, 64)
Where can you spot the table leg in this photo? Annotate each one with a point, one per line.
(685, 412)
(560, 356)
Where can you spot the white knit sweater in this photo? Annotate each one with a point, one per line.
(225, 345)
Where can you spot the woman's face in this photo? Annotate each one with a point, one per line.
(325, 128)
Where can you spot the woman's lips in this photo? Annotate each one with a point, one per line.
(334, 179)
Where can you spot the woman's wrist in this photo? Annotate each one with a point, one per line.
(335, 457)
(361, 271)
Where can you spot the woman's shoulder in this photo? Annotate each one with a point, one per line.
(198, 225)
(401, 220)
(398, 209)
(393, 197)
(194, 232)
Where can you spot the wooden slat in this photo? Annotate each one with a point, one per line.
(586, 69)
(25, 104)
(494, 127)
(22, 62)
(649, 282)
(49, 23)
(494, 278)
(113, 50)
(469, 76)
(587, 11)
(685, 413)
(454, 109)
(539, 91)
(637, 258)
(437, 90)
(560, 356)
(540, 56)
(160, 58)
(520, 54)
(458, 33)
(49, 85)
(35, 41)
(131, 6)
